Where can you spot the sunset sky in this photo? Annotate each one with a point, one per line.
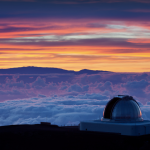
(108, 35)
(112, 35)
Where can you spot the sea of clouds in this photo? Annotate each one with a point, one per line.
(57, 110)
(67, 99)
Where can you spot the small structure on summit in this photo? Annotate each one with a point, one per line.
(122, 115)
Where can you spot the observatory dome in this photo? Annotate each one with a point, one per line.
(122, 108)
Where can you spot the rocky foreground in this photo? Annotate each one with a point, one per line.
(40, 136)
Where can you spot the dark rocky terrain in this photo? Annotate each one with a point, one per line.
(38, 136)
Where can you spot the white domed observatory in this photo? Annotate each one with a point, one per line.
(121, 115)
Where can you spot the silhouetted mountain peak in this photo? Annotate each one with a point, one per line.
(87, 71)
(45, 70)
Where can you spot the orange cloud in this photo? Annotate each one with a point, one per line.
(75, 44)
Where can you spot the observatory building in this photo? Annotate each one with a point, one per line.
(122, 115)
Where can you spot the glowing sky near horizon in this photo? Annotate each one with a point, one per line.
(112, 36)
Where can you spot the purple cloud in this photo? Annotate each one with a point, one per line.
(16, 84)
(39, 83)
(52, 86)
(117, 42)
(106, 86)
(63, 88)
(78, 88)
(93, 96)
(136, 85)
(137, 88)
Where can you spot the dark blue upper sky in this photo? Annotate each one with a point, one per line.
(78, 9)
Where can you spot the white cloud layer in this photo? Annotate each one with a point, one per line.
(57, 110)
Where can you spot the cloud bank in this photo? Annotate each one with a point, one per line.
(57, 110)
(67, 99)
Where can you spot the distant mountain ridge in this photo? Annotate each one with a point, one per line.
(41, 70)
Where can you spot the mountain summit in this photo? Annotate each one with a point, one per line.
(41, 70)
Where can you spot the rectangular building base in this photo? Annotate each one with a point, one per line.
(130, 129)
